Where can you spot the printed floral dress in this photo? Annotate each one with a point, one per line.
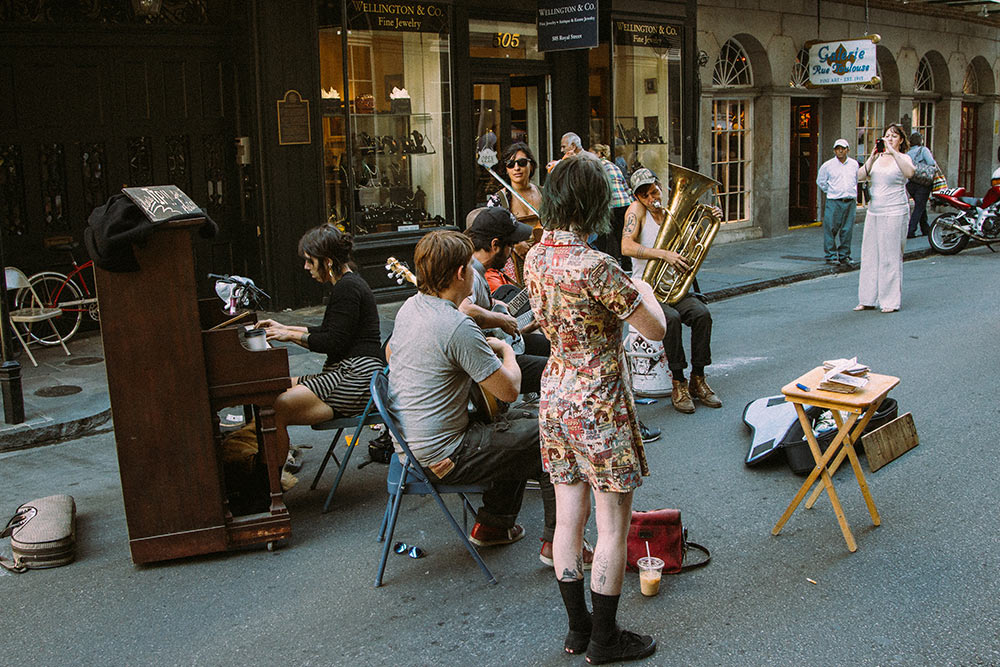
(587, 420)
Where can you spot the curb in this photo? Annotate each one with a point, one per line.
(750, 288)
(36, 432)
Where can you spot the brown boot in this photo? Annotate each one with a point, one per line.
(700, 390)
(681, 398)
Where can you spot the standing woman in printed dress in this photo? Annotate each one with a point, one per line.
(589, 431)
(885, 225)
(349, 336)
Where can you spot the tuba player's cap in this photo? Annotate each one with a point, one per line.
(642, 177)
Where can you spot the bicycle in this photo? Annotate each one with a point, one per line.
(69, 293)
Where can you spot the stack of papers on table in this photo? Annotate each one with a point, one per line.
(845, 376)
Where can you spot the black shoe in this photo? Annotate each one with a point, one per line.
(832, 262)
(630, 646)
(576, 642)
(846, 261)
(911, 236)
(649, 434)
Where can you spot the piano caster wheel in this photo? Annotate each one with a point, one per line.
(274, 544)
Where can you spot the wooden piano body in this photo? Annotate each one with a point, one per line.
(168, 377)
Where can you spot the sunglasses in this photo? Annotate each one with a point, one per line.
(520, 162)
(412, 551)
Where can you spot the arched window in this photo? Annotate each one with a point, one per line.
(800, 70)
(923, 109)
(923, 80)
(733, 67)
(971, 84)
(732, 145)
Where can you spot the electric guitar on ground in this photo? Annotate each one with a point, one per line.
(486, 404)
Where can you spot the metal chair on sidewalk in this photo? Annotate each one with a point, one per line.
(409, 478)
(339, 424)
(37, 312)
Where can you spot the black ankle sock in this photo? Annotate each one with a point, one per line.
(576, 605)
(605, 630)
(678, 375)
(698, 370)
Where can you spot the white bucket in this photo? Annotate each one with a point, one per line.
(648, 363)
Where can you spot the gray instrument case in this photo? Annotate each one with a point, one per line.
(42, 534)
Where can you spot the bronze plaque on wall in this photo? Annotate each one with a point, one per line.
(293, 120)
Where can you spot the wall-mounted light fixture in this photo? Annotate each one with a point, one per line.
(146, 7)
(702, 58)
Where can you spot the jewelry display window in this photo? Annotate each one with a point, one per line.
(648, 93)
(387, 117)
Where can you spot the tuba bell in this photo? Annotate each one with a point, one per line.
(688, 230)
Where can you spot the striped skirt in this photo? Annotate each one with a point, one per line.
(344, 385)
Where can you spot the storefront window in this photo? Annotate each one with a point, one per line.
(647, 90)
(503, 39)
(395, 173)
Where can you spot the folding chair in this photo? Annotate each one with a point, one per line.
(16, 280)
(398, 483)
(339, 424)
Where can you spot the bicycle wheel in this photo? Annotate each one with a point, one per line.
(53, 289)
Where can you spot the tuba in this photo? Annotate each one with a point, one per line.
(688, 230)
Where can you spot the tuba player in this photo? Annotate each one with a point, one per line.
(642, 222)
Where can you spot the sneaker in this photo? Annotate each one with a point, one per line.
(630, 646)
(545, 555)
(489, 536)
(680, 397)
(700, 390)
(649, 433)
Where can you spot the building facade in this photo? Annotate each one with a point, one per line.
(384, 117)
(765, 132)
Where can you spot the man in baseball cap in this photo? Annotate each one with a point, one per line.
(642, 223)
(838, 179)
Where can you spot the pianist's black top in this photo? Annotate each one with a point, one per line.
(350, 324)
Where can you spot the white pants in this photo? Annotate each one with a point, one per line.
(882, 260)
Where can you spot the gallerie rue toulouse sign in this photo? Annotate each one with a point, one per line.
(566, 25)
(843, 62)
(397, 16)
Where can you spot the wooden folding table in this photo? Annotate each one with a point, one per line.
(851, 412)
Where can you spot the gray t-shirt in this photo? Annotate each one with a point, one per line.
(480, 288)
(437, 352)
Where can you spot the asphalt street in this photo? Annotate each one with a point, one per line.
(921, 589)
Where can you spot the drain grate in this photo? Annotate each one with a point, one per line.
(58, 390)
(84, 361)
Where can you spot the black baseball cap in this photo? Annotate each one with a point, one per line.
(496, 222)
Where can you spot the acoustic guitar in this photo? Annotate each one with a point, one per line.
(485, 405)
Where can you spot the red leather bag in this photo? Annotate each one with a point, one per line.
(667, 539)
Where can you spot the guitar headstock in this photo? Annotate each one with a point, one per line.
(397, 270)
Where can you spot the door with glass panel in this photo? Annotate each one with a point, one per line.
(803, 163)
(507, 108)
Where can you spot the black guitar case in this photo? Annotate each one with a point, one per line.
(775, 427)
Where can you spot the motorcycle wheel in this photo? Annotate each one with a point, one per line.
(945, 240)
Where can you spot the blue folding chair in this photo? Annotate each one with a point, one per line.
(339, 424)
(409, 478)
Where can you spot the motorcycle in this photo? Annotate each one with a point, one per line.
(972, 218)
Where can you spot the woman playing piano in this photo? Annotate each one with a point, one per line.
(349, 336)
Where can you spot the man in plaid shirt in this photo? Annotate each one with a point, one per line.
(621, 198)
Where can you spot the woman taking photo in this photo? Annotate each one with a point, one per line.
(589, 432)
(519, 164)
(349, 336)
(888, 167)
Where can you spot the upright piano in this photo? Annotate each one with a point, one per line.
(169, 375)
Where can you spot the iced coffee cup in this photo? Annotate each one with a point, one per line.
(650, 570)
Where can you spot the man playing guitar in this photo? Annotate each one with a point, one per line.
(435, 353)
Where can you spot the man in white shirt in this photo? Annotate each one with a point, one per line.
(838, 179)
